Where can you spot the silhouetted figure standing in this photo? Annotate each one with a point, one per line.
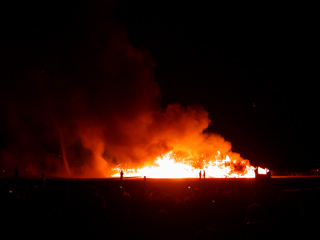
(200, 175)
(269, 175)
(204, 174)
(256, 173)
(121, 175)
(145, 182)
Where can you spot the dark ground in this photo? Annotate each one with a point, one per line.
(160, 208)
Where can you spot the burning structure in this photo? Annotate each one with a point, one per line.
(168, 166)
(94, 101)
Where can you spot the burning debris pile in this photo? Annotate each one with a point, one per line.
(93, 100)
(171, 166)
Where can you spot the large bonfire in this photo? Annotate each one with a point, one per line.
(102, 114)
(171, 165)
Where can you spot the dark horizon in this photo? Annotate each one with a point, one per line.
(249, 66)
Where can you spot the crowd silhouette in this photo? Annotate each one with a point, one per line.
(83, 209)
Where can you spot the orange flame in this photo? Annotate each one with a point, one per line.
(169, 166)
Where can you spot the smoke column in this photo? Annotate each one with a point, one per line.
(102, 95)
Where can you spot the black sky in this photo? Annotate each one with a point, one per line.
(249, 64)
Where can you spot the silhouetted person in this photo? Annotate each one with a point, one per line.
(269, 175)
(161, 224)
(121, 175)
(145, 182)
(204, 174)
(200, 175)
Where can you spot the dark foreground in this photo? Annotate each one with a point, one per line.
(279, 208)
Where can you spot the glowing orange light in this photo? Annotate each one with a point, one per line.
(262, 170)
(167, 166)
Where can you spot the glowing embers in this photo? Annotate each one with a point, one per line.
(171, 166)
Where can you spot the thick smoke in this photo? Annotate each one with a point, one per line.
(88, 102)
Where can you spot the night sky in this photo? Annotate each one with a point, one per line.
(249, 64)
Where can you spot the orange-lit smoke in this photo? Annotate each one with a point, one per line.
(103, 96)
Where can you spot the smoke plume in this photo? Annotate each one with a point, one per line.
(86, 101)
